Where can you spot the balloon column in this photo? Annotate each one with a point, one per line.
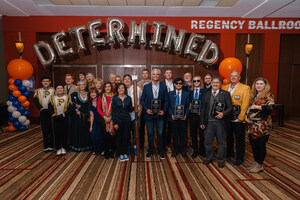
(20, 70)
(227, 65)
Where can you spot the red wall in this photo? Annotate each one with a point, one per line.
(29, 26)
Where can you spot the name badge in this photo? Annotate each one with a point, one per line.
(236, 97)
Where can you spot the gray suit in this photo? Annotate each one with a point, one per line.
(215, 127)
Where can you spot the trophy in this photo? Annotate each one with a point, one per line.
(155, 105)
(217, 106)
(179, 111)
(196, 106)
(236, 110)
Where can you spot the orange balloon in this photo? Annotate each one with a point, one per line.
(221, 86)
(10, 123)
(20, 69)
(25, 104)
(22, 98)
(11, 80)
(12, 87)
(27, 108)
(16, 93)
(11, 128)
(226, 81)
(229, 64)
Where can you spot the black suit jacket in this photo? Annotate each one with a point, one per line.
(224, 97)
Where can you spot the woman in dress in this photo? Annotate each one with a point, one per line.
(80, 136)
(95, 127)
(259, 121)
(121, 107)
(104, 110)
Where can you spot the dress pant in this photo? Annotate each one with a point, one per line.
(237, 130)
(194, 128)
(259, 148)
(60, 127)
(122, 137)
(159, 123)
(212, 129)
(47, 131)
(178, 127)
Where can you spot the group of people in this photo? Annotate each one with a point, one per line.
(99, 115)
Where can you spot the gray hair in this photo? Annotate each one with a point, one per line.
(155, 70)
(239, 74)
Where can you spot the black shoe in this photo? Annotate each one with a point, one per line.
(106, 155)
(221, 164)
(230, 155)
(238, 162)
(194, 155)
(148, 156)
(162, 156)
(111, 154)
(206, 161)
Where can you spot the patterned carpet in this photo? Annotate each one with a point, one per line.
(26, 172)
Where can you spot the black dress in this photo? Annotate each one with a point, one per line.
(80, 135)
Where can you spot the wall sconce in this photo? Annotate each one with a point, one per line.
(20, 47)
(248, 48)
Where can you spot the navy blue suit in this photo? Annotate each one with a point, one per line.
(155, 119)
(179, 126)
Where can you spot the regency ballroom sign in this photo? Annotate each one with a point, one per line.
(115, 28)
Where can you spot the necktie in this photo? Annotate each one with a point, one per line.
(214, 93)
(177, 98)
(196, 94)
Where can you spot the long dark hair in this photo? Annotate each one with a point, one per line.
(118, 85)
(90, 100)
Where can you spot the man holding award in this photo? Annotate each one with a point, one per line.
(240, 96)
(155, 104)
(178, 113)
(215, 107)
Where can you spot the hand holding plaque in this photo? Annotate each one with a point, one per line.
(217, 106)
(235, 112)
(179, 111)
(195, 106)
(155, 105)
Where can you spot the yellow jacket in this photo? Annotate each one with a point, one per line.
(241, 97)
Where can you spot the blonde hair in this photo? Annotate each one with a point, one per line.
(97, 80)
(201, 82)
(265, 91)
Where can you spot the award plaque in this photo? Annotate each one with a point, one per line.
(217, 106)
(179, 111)
(195, 107)
(236, 110)
(155, 105)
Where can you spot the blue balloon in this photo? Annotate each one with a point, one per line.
(17, 124)
(22, 128)
(22, 89)
(12, 98)
(16, 103)
(26, 113)
(9, 113)
(12, 119)
(18, 82)
(10, 92)
(21, 109)
(26, 94)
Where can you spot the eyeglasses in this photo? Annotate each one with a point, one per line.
(180, 83)
(196, 81)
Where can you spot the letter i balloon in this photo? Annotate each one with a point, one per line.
(20, 71)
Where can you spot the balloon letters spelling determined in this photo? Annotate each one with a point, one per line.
(115, 28)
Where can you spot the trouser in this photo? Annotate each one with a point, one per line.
(47, 131)
(122, 137)
(178, 127)
(194, 127)
(212, 129)
(97, 137)
(259, 148)
(167, 131)
(109, 141)
(237, 129)
(150, 129)
(142, 129)
(60, 127)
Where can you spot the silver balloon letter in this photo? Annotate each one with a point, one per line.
(157, 34)
(77, 33)
(192, 45)
(59, 46)
(42, 44)
(94, 33)
(177, 41)
(115, 27)
(208, 46)
(136, 30)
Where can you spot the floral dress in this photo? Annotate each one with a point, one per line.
(262, 120)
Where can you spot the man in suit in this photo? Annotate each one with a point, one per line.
(240, 96)
(69, 88)
(207, 81)
(145, 80)
(180, 98)
(187, 81)
(213, 121)
(167, 131)
(155, 91)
